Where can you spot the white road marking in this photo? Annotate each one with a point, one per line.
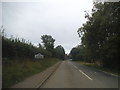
(82, 72)
(85, 74)
(74, 66)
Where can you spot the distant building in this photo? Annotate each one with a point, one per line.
(39, 56)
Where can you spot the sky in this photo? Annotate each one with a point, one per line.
(58, 18)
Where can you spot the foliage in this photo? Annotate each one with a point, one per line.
(16, 48)
(13, 48)
(14, 72)
(77, 53)
(48, 43)
(60, 52)
(100, 34)
(18, 59)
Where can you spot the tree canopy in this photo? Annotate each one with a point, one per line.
(60, 52)
(100, 35)
(48, 43)
(16, 48)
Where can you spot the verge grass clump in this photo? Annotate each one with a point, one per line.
(14, 71)
(100, 67)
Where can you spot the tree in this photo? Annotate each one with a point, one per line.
(14, 48)
(100, 34)
(77, 53)
(60, 52)
(48, 43)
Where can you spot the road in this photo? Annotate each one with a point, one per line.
(73, 75)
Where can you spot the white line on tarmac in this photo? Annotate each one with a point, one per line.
(82, 72)
(85, 74)
(75, 66)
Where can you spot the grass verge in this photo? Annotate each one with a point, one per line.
(14, 71)
(94, 65)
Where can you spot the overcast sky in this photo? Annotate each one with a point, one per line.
(58, 18)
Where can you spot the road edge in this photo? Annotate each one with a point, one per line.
(48, 76)
(109, 73)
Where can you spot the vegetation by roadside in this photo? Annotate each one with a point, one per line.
(15, 53)
(15, 71)
(95, 65)
(100, 36)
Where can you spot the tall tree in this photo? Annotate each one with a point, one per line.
(60, 52)
(100, 34)
(48, 43)
(77, 53)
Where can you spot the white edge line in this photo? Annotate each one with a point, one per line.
(85, 75)
(82, 72)
(75, 66)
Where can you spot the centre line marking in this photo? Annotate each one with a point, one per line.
(82, 72)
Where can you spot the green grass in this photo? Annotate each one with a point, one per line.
(14, 71)
(94, 65)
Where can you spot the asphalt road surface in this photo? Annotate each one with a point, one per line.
(74, 75)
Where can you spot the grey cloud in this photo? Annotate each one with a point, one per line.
(59, 18)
